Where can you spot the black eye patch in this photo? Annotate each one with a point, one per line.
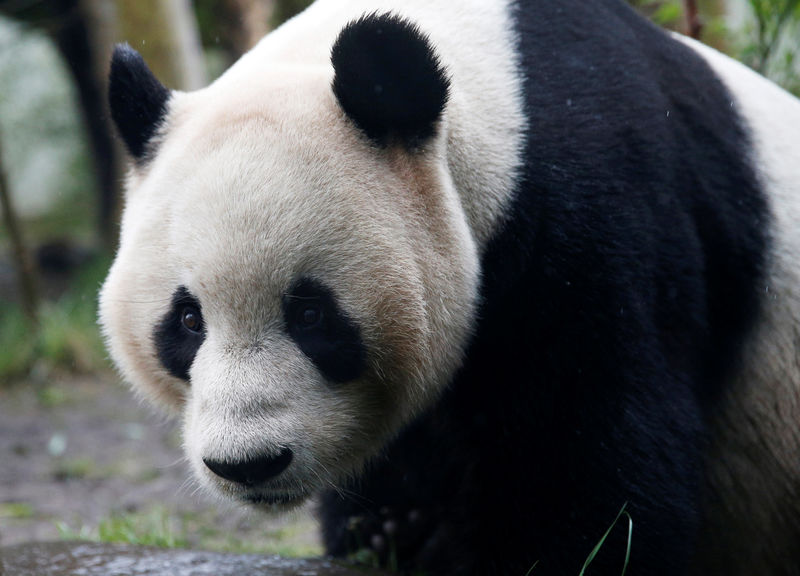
(180, 333)
(323, 332)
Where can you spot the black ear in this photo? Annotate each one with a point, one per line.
(138, 101)
(388, 79)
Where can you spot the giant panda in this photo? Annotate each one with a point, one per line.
(477, 276)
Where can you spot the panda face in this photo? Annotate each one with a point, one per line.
(297, 292)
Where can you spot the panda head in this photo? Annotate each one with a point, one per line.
(295, 274)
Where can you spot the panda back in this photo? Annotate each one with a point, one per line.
(753, 467)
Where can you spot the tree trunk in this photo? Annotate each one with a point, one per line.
(694, 24)
(83, 41)
(80, 30)
(29, 294)
(247, 21)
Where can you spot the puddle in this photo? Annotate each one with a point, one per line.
(96, 559)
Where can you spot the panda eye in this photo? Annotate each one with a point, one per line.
(322, 330)
(309, 316)
(191, 319)
(180, 333)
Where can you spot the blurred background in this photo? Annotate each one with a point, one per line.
(82, 458)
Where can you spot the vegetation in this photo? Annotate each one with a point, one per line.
(771, 43)
(15, 510)
(602, 541)
(67, 337)
(157, 526)
(766, 40)
(152, 528)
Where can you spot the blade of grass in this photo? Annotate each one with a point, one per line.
(599, 545)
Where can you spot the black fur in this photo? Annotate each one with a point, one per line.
(175, 344)
(615, 301)
(138, 101)
(388, 79)
(332, 340)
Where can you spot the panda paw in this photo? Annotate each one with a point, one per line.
(389, 539)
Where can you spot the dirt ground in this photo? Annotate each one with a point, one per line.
(76, 453)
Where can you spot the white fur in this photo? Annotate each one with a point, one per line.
(755, 463)
(476, 42)
(260, 179)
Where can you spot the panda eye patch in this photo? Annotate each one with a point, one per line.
(180, 333)
(322, 331)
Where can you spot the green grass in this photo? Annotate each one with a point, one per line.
(16, 510)
(156, 526)
(52, 396)
(590, 558)
(202, 532)
(67, 337)
(152, 528)
(602, 541)
(75, 469)
(17, 343)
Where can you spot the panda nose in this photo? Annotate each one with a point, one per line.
(253, 471)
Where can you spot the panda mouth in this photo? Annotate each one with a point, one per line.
(280, 500)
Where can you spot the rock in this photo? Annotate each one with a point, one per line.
(98, 559)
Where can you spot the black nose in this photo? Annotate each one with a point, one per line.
(253, 471)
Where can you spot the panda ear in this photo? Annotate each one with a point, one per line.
(138, 101)
(388, 79)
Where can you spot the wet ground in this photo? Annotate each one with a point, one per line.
(80, 458)
(61, 559)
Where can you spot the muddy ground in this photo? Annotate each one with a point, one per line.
(81, 457)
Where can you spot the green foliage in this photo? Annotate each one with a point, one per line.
(17, 344)
(67, 338)
(771, 45)
(153, 528)
(767, 41)
(157, 526)
(667, 13)
(16, 510)
(771, 20)
(51, 396)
